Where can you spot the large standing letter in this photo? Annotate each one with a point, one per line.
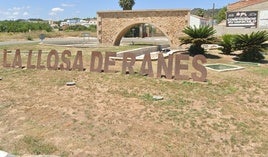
(17, 60)
(161, 64)
(129, 65)
(5, 64)
(65, 60)
(149, 71)
(56, 61)
(199, 68)
(108, 61)
(39, 59)
(179, 67)
(94, 55)
(78, 61)
(29, 61)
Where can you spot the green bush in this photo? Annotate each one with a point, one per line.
(92, 28)
(227, 43)
(29, 37)
(23, 26)
(251, 45)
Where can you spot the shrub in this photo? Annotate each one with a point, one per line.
(197, 37)
(251, 45)
(29, 37)
(227, 43)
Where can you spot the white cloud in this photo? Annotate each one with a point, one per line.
(15, 13)
(67, 5)
(4, 13)
(57, 10)
(25, 13)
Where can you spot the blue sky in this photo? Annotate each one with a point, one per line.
(62, 9)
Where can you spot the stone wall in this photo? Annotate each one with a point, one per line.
(221, 30)
(112, 25)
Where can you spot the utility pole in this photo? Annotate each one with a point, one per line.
(213, 10)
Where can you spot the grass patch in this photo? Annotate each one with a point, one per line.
(37, 146)
(247, 63)
(147, 97)
(261, 71)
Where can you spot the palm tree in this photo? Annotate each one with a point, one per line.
(126, 4)
(197, 37)
(251, 45)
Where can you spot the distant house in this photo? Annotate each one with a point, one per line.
(72, 22)
(248, 13)
(198, 21)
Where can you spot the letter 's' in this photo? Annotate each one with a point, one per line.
(200, 68)
(179, 67)
(66, 61)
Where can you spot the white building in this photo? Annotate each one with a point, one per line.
(248, 6)
(72, 22)
(198, 21)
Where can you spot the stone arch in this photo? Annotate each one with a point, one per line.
(119, 36)
(112, 25)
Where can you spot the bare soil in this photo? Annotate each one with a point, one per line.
(114, 114)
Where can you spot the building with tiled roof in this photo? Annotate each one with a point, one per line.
(243, 11)
(248, 5)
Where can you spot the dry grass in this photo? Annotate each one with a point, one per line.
(35, 35)
(115, 115)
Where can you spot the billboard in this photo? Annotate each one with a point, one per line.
(242, 19)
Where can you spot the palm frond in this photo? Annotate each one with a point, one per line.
(251, 45)
(202, 32)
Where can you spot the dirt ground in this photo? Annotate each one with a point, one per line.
(115, 114)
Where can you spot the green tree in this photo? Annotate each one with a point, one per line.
(200, 12)
(23, 26)
(251, 45)
(126, 4)
(221, 15)
(197, 37)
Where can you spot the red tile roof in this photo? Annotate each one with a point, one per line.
(243, 3)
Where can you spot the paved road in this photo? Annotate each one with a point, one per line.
(17, 42)
(88, 41)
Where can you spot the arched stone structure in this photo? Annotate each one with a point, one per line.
(112, 25)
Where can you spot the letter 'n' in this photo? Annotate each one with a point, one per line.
(161, 65)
